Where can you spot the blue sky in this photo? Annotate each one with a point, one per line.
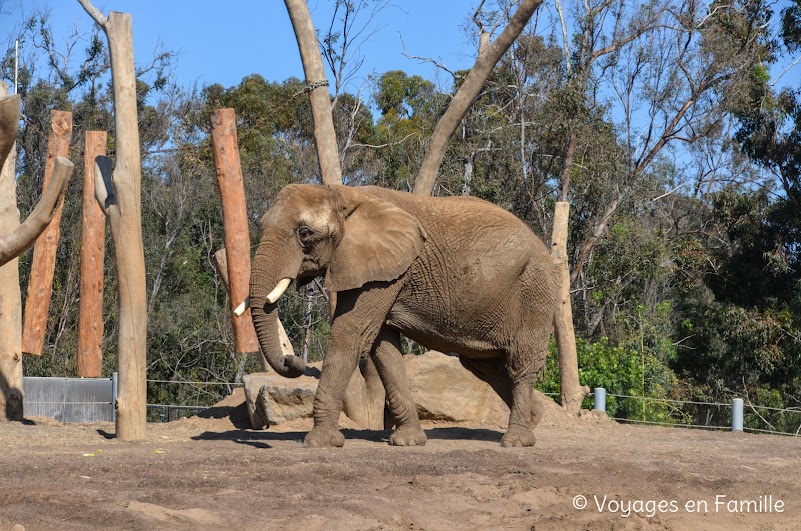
(221, 42)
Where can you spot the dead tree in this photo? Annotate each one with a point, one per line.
(324, 134)
(235, 227)
(93, 249)
(43, 265)
(118, 191)
(14, 240)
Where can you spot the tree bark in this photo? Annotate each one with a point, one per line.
(93, 248)
(467, 93)
(235, 226)
(324, 134)
(15, 239)
(572, 393)
(11, 391)
(40, 285)
(119, 195)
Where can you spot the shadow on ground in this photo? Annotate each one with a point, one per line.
(262, 439)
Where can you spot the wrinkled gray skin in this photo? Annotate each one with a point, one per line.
(454, 274)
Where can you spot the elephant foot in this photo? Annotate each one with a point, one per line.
(518, 437)
(320, 437)
(408, 436)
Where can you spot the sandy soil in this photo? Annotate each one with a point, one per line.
(209, 473)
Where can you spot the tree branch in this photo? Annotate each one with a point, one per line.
(463, 99)
(95, 13)
(14, 244)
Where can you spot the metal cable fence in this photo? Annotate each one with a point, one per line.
(736, 415)
(92, 400)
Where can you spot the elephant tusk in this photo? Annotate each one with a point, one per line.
(239, 310)
(279, 290)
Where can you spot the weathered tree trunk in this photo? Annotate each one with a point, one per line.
(324, 134)
(93, 248)
(235, 226)
(572, 392)
(467, 93)
(15, 239)
(120, 198)
(40, 285)
(11, 391)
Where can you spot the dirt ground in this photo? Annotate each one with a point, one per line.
(210, 473)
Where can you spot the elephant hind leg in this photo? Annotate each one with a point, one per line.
(525, 410)
(390, 365)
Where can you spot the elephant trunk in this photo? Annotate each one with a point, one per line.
(266, 273)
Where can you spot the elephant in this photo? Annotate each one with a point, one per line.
(454, 274)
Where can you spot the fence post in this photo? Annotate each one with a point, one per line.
(737, 414)
(114, 397)
(600, 399)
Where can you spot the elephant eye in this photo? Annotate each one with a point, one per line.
(305, 233)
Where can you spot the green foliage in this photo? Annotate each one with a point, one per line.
(620, 371)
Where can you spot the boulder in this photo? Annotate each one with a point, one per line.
(444, 390)
(273, 399)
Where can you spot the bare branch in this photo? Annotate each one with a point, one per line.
(95, 13)
(464, 97)
(14, 244)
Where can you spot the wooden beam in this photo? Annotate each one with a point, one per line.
(40, 284)
(235, 225)
(93, 248)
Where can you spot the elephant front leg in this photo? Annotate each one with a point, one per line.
(390, 365)
(358, 317)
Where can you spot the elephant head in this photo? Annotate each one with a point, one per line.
(346, 234)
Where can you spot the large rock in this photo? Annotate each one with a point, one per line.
(273, 399)
(444, 390)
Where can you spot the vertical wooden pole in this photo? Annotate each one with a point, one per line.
(119, 193)
(40, 284)
(93, 236)
(324, 135)
(235, 225)
(572, 392)
(11, 392)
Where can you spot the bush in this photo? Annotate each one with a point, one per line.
(620, 371)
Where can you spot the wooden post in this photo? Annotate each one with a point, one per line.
(120, 198)
(235, 226)
(40, 284)
(324, 134)
(93, 248)
(572, 392)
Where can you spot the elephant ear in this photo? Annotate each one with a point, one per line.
(379, 243)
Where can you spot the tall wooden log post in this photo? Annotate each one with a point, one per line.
(324, 135)
(235, 226)
(118, 191)
(14, 240)
(572, 393)
(93, 249)
(40, 284)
